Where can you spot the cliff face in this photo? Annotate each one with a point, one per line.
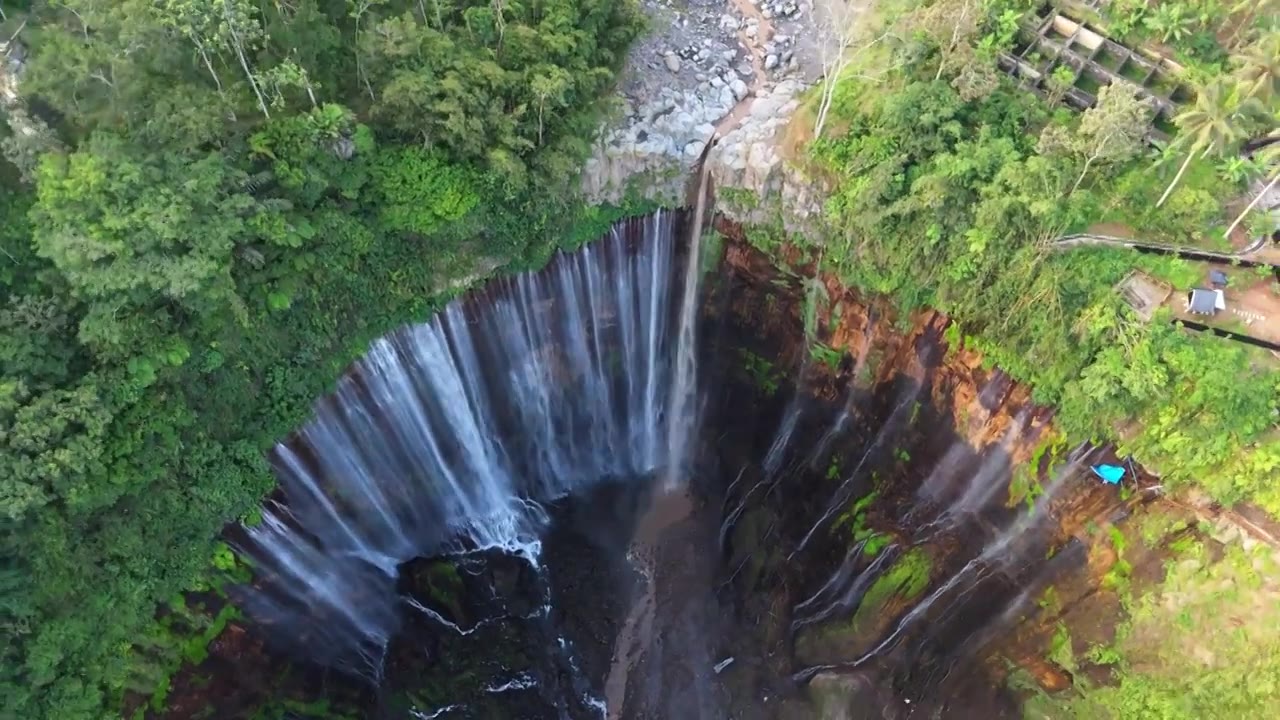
(869, 569)
(949, 526)
(748, 164)
(875, 525)
(882, 345)
(963, 540)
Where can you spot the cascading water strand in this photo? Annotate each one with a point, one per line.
(682, 420)
(450, 436)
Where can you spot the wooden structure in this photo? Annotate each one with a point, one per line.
(1143, 293)
(1050, 40)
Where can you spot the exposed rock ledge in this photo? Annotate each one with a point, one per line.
(735, 69)
(751, 158)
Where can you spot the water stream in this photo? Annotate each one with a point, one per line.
(450, 436)
(465, 437)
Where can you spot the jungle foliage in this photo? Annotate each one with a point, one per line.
(950, 189)
(951, 184)
(210, 207)
(1196, 644)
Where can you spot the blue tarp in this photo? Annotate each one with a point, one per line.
(1110, 474)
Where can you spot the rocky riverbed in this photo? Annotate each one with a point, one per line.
(699, 73)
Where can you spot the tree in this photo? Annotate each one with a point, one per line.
(1058, 83)
(1244, 13)
(243, 30)
(1269, 155)
(1258, 68)
(132, 233)
(1212, 126)
(54, 448)
(550, 83)
(284, 76)
(836, 34)
(975, 80)
(1112, 131)
(135, 403)
(357, 9)
(952, 26)
(31, 138)
(127, 67)
(200, 22)
(1266, 189)
(1170, 21)
(421, 192)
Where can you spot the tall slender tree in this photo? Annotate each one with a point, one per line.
(1245, 13)
(1213, 125)
(838, 33)
(1258, 68)
(243, 30)
(1270, 157)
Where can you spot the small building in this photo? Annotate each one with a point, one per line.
(1218, 279)
(1205, 301)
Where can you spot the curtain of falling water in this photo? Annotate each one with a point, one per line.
(447, 436)
(680, 426)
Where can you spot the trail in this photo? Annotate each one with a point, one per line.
(755, 48)
(1187, 252)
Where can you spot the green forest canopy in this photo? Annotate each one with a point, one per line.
(951, 181)
(224, 200)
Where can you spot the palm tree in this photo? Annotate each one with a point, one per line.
(1170, 21)
(1270, 155)
(1258, 68)
(1243, 12)
(1212, 125)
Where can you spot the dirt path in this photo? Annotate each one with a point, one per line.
(1072, 241)
(755, 47)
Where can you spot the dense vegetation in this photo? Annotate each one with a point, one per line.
(1197, 644)
(209, 207)
(951, 181)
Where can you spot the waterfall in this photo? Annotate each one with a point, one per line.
(449, 436)
(983, 485)
(1001, 556)
(843, 593)
(683, 419)
(453, 438)
(842, 495)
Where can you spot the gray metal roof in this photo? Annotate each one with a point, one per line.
(1202, 301)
